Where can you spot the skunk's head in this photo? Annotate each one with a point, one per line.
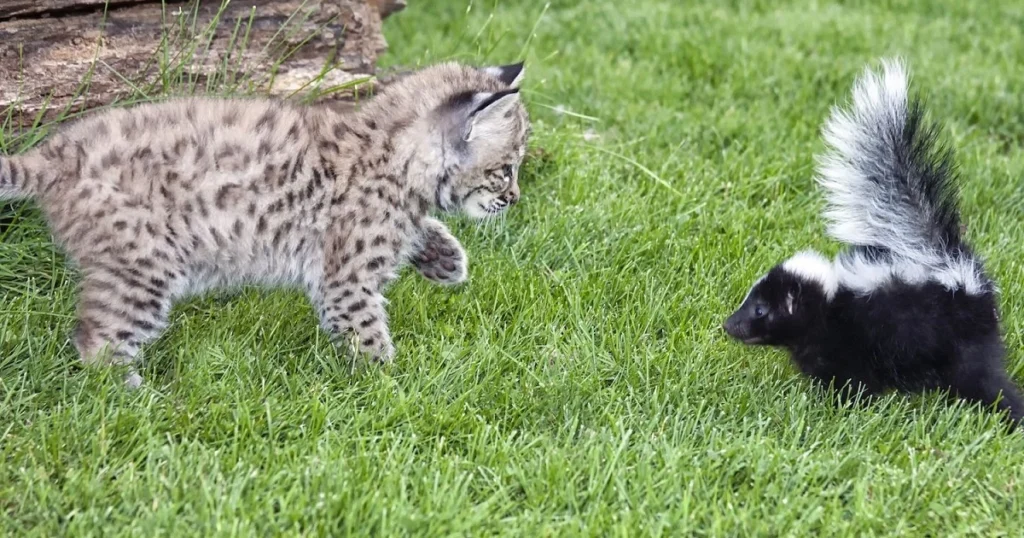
(786, 303)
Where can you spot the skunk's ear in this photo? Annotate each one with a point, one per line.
(488, 113)
(511, 75)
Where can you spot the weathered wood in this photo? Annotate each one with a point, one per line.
(49, 47)
(387, 7)
(27, 8)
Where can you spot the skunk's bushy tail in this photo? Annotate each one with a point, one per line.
(888, 183)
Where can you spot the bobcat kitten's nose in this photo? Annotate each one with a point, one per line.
(511, 196)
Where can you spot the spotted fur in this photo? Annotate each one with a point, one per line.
(162, 201)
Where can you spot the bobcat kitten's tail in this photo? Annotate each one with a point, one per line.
(15, 180)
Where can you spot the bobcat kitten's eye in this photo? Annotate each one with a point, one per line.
(507, 173)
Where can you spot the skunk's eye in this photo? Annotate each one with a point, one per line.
(760, 311)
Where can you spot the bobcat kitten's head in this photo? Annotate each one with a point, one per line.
(485, 133)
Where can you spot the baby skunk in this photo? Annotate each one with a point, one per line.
(907, 306)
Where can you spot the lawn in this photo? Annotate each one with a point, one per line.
(580, 383)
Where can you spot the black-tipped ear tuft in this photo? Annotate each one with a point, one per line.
(490, 99)
(489, 112)
(511, 75)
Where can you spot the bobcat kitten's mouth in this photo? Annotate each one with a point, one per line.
(481, 207)
(495, 207)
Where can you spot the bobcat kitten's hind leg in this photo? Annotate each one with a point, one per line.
(439, 256)
(117, 314)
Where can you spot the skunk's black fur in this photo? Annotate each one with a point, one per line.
(908, 306)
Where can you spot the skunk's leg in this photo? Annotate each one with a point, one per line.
(990, 388)
(852, 390)
(981, 377)
(847, 384)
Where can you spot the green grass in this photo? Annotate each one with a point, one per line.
(579, 384)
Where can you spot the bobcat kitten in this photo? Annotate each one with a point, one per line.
(162, 201)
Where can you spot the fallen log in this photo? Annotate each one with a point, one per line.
(65, 56)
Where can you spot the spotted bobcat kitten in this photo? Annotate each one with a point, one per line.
(162, 201)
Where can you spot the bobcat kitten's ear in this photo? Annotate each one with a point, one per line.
(488, 116)
(511, 75)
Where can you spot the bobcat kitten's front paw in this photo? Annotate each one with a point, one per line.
(441, 265)
(440, 257)
(132, 380)
(381, 351)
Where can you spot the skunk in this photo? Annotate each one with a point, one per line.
(907, 305)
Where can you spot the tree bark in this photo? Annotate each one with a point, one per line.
(68, 55)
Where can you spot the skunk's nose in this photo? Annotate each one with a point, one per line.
(729, 326)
